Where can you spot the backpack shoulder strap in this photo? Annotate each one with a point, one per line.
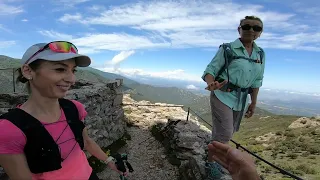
(228, 57)
(72, 115)
(21, 119)
(69, 109)
(261, 53)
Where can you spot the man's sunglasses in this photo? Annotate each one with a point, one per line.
(58, 47)
(247, 27)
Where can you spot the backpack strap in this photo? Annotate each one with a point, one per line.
(229, 56)
(40, 147)
(72, 115)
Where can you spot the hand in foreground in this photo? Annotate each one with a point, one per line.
(114, 167)
(216, 85)
(250, 110)
(240, 165)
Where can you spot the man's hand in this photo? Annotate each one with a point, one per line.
(215, 85)
(250, 110)
(240, 165)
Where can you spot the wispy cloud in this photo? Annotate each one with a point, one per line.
(117, 59)
(24, 20)
(55, 35)
(69, 3)
(115, 42)
(7, 9)
(123, 55)
(198, 24)
(6, 44)
(5, 29)
(176, 74)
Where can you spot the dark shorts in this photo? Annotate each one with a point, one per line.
(93, 176)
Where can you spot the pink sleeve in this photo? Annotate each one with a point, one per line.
(82, 112)
(12, 139)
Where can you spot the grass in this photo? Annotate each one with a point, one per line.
(295, 150)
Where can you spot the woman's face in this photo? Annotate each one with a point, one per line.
(53, 79)
(249, 30)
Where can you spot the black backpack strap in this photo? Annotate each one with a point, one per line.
(72, 114)
(40, 147)
(261, 53)
(21, 119)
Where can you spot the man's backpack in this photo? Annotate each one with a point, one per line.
(229, 56)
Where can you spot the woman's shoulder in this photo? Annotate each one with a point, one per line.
(12, 139)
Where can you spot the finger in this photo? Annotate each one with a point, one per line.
(221, 162)
(222, 83)
(213, 151)
(221, 146)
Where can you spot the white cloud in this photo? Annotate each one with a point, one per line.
(69, 17)
(4, 28)
(55, 35)
(117, 42)
(177, 74)
(123, 55)
(6, 9)
(6, 44)
(24, 20)
(192, 87)
(198, 24)
(69, 3)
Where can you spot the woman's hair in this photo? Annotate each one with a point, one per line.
(34, 66)
(251, 18)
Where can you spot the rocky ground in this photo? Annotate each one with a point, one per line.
(145, 154)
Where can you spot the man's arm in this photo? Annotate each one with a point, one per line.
(15, 166)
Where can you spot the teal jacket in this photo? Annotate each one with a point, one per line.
(241, 72)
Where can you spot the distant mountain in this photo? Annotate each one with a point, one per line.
(107, 75)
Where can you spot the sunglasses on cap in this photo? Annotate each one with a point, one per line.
(58, 47)
(255, 28)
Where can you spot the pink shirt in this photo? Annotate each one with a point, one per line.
(75, 166)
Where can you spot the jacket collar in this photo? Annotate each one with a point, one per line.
(238, 44)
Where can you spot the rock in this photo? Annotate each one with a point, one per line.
(163, 156)
(304, 122)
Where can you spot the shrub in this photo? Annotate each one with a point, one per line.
(305, 154)
(306, 169)
(292, 155)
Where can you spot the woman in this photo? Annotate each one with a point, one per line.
(236, 70)
(41, 139)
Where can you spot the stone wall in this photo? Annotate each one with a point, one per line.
(187, 145)
(105, 120)
(187, 142)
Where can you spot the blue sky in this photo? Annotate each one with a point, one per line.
(170, 39)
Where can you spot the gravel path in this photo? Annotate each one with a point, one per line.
(147, 159)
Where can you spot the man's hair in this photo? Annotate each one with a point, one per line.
(251, 18)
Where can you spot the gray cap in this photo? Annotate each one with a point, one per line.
(81, 60)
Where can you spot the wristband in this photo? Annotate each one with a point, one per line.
(109, 159)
